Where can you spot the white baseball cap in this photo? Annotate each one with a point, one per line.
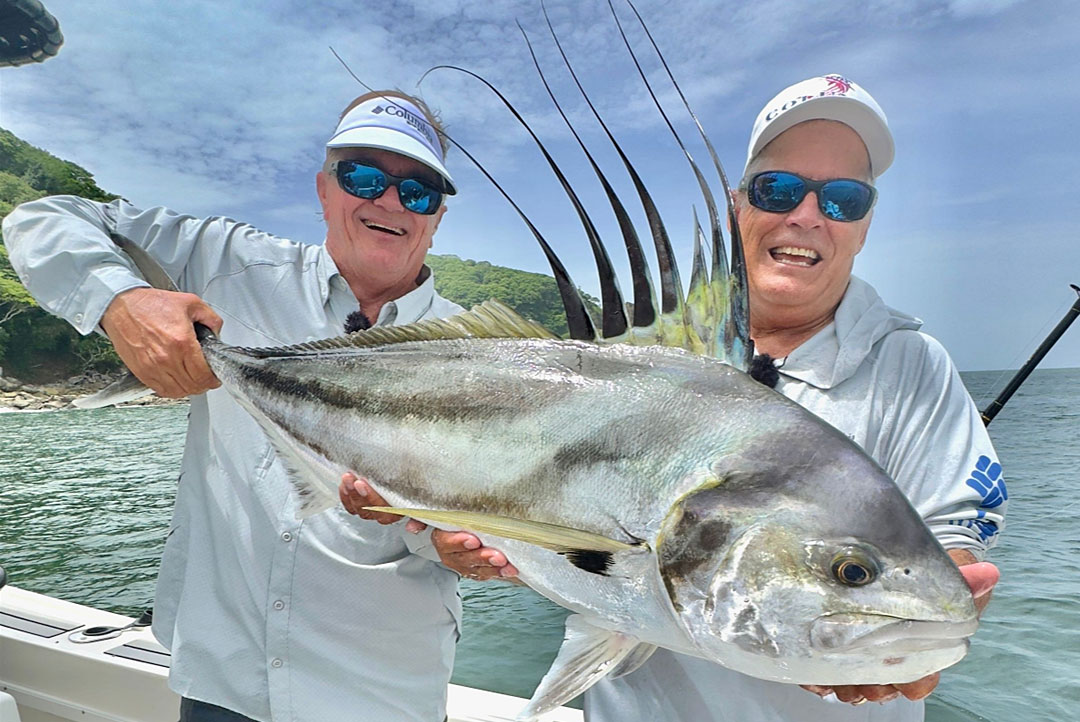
(829, 97)
(397, 125)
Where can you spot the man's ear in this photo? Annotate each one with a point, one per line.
(322, 188)
(866, 219)
(736, 205)
(438, 219)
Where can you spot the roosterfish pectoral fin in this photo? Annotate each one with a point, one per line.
(638, 656)
(588, 653)
(311, 475)
(586, 550)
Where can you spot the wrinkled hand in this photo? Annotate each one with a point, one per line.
(355, 494)
(463, 552)
(459, 550)
(981, 578)
(153, 335)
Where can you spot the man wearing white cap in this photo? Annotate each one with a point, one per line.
(804, 207)
(268, 617)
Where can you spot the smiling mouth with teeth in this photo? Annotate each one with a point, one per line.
(792, 256)
(384, 229)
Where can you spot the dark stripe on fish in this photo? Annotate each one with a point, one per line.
(433, 406)
(586, 452)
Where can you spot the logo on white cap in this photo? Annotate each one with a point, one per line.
(828, 97)
(417, 121)
(834, 85)
(838, 84)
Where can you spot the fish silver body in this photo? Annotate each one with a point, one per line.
(734, 511)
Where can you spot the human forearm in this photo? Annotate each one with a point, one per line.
(61, 250)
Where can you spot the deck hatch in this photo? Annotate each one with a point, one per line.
(39, 626)
(142, 651)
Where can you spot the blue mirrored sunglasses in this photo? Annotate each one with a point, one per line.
(840, 199)
(366, 181)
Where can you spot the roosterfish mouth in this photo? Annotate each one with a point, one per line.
(383, 228)
(848, 632)
(795, 256)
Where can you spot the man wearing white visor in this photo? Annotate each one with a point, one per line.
(804, 207)
(267, 617)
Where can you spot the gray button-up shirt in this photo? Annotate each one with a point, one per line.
(331, 618)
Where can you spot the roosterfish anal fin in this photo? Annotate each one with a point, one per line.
(588, 653)
(585, 550)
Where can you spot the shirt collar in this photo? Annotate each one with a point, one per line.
(327, 269)
(834, 353)
(411, 307)
(407, 309)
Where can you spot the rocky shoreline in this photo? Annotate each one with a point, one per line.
(17, 396)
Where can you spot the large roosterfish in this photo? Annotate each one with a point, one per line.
(635, 474)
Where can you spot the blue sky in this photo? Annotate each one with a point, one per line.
(222, 108)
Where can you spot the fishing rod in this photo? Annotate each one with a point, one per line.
(995, 406)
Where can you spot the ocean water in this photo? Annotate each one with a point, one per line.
(85, 500)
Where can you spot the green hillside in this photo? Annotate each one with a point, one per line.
(533, 295)
(37, 347)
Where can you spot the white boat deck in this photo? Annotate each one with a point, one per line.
(123, 679)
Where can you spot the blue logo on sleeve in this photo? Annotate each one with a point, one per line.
(987, 480)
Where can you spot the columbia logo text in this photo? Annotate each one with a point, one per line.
(409, 117)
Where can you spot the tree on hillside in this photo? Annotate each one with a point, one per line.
(533, 295)
(15, 190)
(45, 172)
(14, 298)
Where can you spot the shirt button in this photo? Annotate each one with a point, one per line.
(275, 663)
(286, 536)
(279, 605)
(78, 318)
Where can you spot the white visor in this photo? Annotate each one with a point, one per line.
(396, 125)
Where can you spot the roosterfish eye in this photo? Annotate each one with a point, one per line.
(853, 568)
